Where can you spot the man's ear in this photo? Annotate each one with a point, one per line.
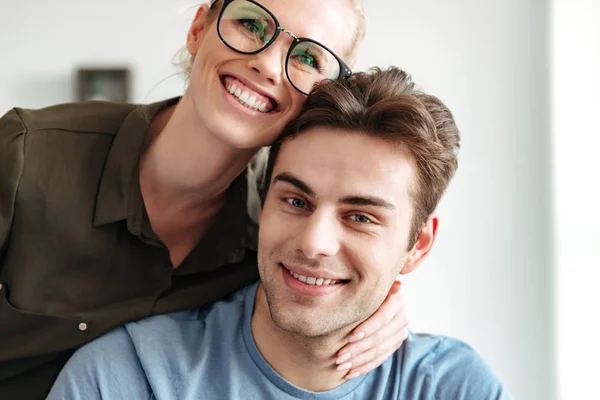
(197, 29)
(424, 243)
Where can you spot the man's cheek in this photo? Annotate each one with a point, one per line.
(277, 224)
(271, 235)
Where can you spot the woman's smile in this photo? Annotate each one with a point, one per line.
(249, 97)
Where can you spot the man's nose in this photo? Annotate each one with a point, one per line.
(321, 236)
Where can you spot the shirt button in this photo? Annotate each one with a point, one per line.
(82, 326)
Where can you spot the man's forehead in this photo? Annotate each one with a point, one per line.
(338, 164)
(341, 145)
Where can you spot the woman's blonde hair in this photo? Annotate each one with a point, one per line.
(184, 60)
(361, 28)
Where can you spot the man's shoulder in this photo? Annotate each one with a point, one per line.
(104, 368)
(220, 315)
(85, 117)
(442, 353)
(449, 368)
(97, 358)
(157, 356)
(426, 346)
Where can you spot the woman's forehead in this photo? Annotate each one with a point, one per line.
(330, 22)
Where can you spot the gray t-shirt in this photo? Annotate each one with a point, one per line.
(211, 354)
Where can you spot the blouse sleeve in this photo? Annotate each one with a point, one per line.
(12, 159)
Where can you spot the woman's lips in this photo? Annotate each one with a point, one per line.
(248, 96)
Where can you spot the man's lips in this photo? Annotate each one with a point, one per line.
(310, 289)
(314, 277)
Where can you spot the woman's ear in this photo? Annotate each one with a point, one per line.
(197, 29)
(424, 242)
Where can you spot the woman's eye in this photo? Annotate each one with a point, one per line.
(309, 60)
(252, 26)
(296, 203)
(361, 219)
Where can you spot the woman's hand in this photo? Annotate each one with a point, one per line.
(373, 341)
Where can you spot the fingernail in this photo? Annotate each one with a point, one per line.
(344, 366)
(353, 375)
(344, 357)
(357, 336)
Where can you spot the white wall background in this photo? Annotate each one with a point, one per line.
(42, 42)
(576, 103)
(490, 279)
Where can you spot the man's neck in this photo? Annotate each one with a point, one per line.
(308, 363)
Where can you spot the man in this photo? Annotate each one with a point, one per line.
(352, 187)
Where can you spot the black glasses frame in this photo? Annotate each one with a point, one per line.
(345, 71)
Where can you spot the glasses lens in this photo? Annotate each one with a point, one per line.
(310, 63)
(246, 27)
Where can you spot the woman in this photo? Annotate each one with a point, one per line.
(111, 213)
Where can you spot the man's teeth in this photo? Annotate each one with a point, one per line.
(247, 99)
(309, 280)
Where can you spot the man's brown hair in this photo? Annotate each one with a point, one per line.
(385, 104)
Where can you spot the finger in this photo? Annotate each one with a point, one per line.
(391, 308)
(354, 349)
(383, 316)
(384, 349)
(391, 336)
(396, 286)
(373, 358)
(365, 369)
(397, 328)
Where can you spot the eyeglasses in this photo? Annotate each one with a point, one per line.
(248, 28)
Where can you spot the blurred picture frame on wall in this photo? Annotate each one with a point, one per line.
(103, 83)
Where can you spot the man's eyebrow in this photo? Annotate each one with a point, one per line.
(367, 201)
(349, 200)
(292, 180)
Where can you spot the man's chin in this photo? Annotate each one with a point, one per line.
(308, 323)
(301, 327)
(291, 315)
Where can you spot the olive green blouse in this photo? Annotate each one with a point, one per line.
(78, 256)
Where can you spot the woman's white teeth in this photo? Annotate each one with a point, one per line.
(313, 281)
(247, 99)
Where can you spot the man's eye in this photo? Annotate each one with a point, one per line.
(361, 219)
(297, 203)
